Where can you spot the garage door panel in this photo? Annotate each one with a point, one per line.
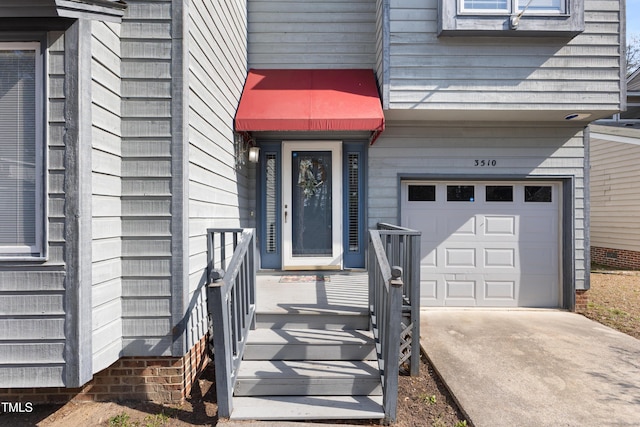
(499, 225)
(499, 258)
(429, 256)
(428, 291)
(457, 289)
(460, 225)
(460, 257)
(428, 251)
(500, 290)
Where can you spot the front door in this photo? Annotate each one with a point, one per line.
(312, 205)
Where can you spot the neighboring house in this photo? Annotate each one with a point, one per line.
(463, 120)
(615, 168)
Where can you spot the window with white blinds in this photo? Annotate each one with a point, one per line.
(271, 202)
(353, 205)
(541, 5)
(20, 147)
(486, 5)
(513, 6)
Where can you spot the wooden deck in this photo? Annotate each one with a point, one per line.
(297, 293)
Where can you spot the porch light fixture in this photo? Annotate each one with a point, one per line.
(246, 149)
(577, 116)
(254, 154)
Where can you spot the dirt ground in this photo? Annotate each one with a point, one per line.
(423, 401)
(614, 300)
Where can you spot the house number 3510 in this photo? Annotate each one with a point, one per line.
(484, 163)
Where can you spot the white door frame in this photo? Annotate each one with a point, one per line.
(334, 261)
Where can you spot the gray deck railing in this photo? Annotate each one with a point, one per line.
(231, 299)
(402, 247)
(385, 306)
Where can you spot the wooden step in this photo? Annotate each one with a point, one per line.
(307, 408)
(307, 378)
(309, 344)
(312, 320)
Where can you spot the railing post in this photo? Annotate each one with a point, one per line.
(372, 275)
(221, 317)
(392, 345)
(414, 292)
(252, 278)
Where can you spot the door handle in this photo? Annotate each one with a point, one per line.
(285, 214)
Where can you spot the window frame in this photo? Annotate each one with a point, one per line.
(633, 100)
(38, 251)
(454, 20)
(498, 185)
(540, 187)
(432, 187)
(512, 8)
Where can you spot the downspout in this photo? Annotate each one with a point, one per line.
(587, 209)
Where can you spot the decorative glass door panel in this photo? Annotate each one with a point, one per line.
(312, 205)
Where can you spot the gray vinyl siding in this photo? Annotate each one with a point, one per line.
(520, 151)
(32, 310)
(56, 148)
(69, 9)
(615, 197)
(107, 192)
(312, 34)
(146, 84)
(218, 193)
(503, 73)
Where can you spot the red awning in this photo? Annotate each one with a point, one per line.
(310, 100)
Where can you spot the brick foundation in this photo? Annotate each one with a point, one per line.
(615, 258)
(582, 298)
(157, 379)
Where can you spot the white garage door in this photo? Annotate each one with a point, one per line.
(489, 244)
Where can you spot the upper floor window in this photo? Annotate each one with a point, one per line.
(21, 141)
(630, 117)
(632, 114)
(512, 18)
(513, 6)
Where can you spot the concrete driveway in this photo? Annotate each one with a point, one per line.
(534, 367)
